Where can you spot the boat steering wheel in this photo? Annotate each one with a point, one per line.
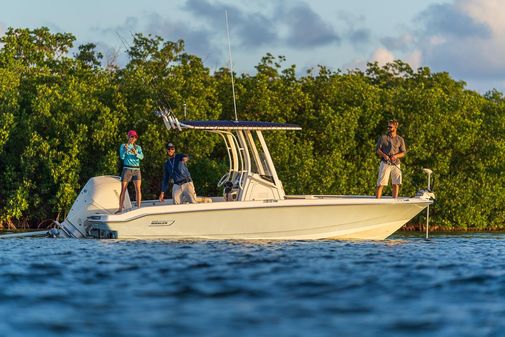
(223, 179)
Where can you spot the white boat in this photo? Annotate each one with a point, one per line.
(253, 205)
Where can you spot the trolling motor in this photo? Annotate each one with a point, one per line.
(427, 194)
(428, 172)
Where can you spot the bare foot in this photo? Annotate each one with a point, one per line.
(119, 211)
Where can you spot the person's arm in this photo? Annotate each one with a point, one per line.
(122, 151)
(382, 155)
(397, 156)
(183, 167)
(139, 153)
(378, 150)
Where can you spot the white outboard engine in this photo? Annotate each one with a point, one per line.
(100, 195)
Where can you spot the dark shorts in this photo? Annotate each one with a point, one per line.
(129, 174)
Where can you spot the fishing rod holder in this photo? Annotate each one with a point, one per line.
(169, 119)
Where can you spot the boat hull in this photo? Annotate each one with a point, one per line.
(338, 218)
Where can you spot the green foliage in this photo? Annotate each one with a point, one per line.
(63, 118)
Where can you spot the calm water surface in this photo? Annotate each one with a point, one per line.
(405, 286)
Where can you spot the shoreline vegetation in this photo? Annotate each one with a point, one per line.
(441, 229)
(64, 111)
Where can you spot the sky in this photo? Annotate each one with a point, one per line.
(466, 38)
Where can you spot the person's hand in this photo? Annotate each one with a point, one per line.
(134, 150)
(393, 158)
(162, 196)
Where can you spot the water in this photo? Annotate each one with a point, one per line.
(406, 286)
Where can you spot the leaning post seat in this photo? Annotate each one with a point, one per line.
(203, 200)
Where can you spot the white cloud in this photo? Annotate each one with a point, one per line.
(414, 59)
(464, 37)
(382, 56)
(489, 12)
(473, 56)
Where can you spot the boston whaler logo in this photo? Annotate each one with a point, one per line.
(162, 223)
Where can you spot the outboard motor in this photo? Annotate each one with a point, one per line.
(100, 195)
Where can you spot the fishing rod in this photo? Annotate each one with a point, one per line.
(162, 100)
(389, 161)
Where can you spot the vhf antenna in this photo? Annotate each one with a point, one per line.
(231, 67)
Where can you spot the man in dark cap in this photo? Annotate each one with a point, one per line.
(176, 171)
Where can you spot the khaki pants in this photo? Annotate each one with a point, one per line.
(386, 170)
(184, 192)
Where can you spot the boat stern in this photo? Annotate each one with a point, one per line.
(100, 195)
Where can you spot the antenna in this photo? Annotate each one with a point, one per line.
(231, 67)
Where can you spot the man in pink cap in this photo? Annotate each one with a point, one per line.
(130, 154)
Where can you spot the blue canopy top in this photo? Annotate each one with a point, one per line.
(237, 125)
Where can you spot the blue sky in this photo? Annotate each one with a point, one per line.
(464, 37)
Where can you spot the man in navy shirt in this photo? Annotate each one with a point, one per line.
(176, 171)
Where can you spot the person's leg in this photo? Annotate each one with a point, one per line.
(138, 192)
(382, 179)
(176, 194)
(396, 179)
(189, 190)
(396, 189)
(378, 191)
(124, 185)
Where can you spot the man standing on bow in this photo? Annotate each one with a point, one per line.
(176, 172)
(390, 148)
